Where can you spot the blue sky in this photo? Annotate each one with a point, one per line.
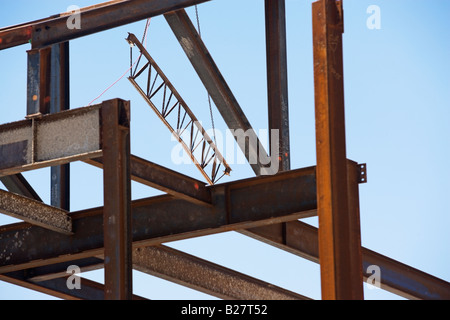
(397, 95)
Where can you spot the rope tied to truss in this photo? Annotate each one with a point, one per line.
(209, 96)
(132, 64)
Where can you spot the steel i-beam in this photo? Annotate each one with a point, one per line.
(338, 232)
(115, 117)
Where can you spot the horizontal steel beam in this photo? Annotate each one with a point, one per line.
(49, 140)
(17, 35)
(93, 19)
(35, 212)
(204, 276)
(237, 205)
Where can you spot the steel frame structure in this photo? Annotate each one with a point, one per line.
(123, 234)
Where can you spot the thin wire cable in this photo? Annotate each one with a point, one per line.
(145, 37)
(209, 96)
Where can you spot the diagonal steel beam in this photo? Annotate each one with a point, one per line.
(35, 212)
(166, 180)
(217, 87)
(19, 185)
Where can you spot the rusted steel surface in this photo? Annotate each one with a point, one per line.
(240, 205)
(115, 117)
(94, 19)
(104, 18)
(34, 212)
(207, 277)
(336, 240)
(15, 36)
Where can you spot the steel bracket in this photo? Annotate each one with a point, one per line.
(362, 173)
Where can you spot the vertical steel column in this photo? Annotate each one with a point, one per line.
(277, 77)
(277, 86)
(115, 130)
(60, 101)
(336, 243)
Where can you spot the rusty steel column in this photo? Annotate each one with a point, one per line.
(115, 117)
(277, 77)
(335, 237)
